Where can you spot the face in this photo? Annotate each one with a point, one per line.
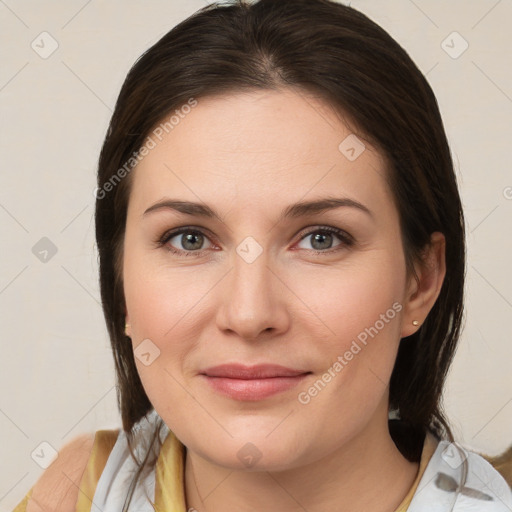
(318, 291)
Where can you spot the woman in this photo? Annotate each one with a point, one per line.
(282, 255)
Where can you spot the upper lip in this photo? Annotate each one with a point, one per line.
(260, 371)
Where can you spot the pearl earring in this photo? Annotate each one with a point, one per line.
(415, 323)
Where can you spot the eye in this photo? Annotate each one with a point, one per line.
(188, 241)
(321, 239)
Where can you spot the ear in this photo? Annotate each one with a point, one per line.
(421, 294)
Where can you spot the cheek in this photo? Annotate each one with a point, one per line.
(164, 305)
(163, 315)
(355, 297)
(161, 300)
(357, 339)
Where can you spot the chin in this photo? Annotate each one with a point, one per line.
(255, 449)
(252, 457)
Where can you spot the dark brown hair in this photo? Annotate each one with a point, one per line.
(341, 56)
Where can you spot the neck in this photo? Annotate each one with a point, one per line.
(366, 473)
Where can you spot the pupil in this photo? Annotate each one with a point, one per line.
(321, 237)
(189, 239)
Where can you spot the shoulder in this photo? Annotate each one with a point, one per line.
(473, 483)
(58, 488)
(458, 479)
(503, 464)
(484, 487)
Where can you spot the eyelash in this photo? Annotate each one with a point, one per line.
(346, 240)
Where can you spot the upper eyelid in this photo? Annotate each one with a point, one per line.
(329, 229)
(171, 233)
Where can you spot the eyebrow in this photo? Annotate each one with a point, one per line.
(299, 209)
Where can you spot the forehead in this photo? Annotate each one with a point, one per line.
(258, 144)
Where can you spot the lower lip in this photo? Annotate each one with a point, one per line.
(253, 389)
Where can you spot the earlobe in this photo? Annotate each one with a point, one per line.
(423, 292)
(127, 327)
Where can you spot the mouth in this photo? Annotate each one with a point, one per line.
(252, 383)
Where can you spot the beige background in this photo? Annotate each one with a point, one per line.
(56, 373)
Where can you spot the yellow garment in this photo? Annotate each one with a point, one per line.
(104, 441)
(169, 470)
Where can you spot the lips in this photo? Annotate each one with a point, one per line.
(252, 383)
(262, 371)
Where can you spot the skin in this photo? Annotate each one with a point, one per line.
(249, 156)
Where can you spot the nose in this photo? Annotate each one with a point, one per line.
(253, 300)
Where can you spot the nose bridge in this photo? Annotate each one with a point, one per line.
(251, 274)
(250, 304)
